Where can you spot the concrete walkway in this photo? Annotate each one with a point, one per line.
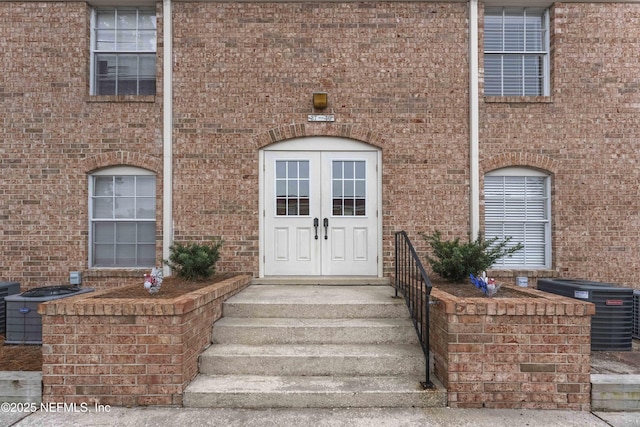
(370, 417)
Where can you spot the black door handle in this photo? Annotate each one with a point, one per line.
(316, 222)
(325, 222)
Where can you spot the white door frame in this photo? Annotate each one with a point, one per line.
(318, 143)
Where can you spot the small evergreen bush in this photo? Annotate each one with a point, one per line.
(455, 261)
(194, 261)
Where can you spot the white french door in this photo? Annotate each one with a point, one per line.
(320, 213)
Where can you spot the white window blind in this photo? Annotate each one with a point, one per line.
(518, 207)
(516, 52)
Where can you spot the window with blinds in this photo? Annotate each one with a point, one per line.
(516, 52)
(518, 206)
(122, 212)
(123, 50)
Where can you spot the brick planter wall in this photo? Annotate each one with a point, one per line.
(128, 352)
(512, 352)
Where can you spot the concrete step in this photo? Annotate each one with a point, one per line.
(615, 392)
(316, 301)
(323, 280)
(313, 360)
(21, 386)
(313, 346)
(255, 331)
(244, 391)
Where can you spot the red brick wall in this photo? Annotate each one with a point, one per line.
(586, 135)
(397, 76)
(127, 352)
(52, 134)
(513, 353)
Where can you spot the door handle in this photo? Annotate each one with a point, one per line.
(316, 222)
(325, 222)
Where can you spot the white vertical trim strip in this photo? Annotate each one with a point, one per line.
(167, 134)
(474, 162)
(261, 213)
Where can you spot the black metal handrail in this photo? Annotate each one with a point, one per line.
(415, 286)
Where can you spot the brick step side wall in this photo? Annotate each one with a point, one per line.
(128, 352)
(529, 352)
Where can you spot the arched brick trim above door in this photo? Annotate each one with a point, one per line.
(122, 158)
(531, 160)
(297, 130)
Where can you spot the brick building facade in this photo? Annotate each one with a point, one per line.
(398, 81)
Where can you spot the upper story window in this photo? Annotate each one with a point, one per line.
(123, 51)
(122, 212)
(516, 52)
(517, 205)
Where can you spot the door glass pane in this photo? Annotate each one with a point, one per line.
(337, 188)
(292, 208)
(304, 188)
(348, 208)
(304, 169)
(337, 207)
(292, 169)
(337, 170)
(304, 206)
(349, 187)
(292, 187)
(348, 169)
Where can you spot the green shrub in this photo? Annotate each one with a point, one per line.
(194, 261)
(455, 261)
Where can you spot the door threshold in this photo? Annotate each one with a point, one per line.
(323, 280)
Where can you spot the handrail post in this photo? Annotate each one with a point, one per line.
(396, 264)
(413, 282)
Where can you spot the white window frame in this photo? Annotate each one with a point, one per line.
(506, 219)
(114, 171)
(544, 54)
(95, 52)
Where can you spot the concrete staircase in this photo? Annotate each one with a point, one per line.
(313, 346)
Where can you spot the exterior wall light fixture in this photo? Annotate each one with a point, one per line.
(320, 100)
